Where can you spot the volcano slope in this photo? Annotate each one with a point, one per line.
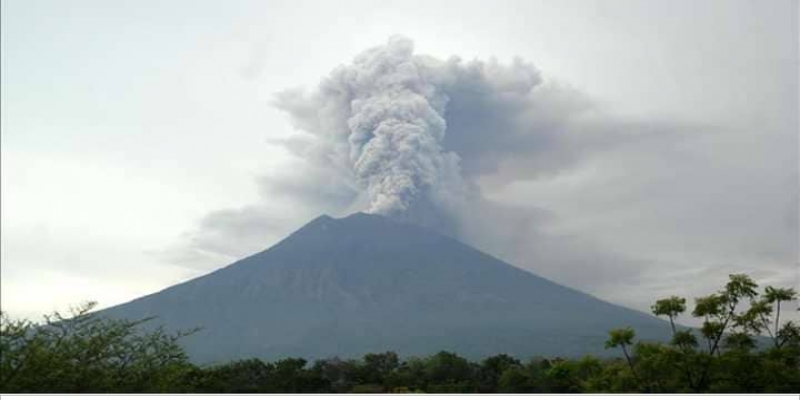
(365, 283)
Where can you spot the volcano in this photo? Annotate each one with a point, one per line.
(366, 283)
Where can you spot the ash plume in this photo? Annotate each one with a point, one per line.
(383, 121)
(524, 168)
(423, 140)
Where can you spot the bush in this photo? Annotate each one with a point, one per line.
(88, 353)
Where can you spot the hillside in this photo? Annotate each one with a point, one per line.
(365, 283)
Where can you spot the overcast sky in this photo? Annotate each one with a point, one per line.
(142, 144)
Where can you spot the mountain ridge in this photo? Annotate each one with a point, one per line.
(365, 283)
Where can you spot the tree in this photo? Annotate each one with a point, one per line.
(670, 307)
(448, 372)
(568, 376)
(289, 375)
(623, 338)
(514, 380)
(719, 310)
(780, 335)
(492, 368)
(378, 366)
(731, 333)
(244, 376)
(339, 374)
(88, 353)
(411, 374)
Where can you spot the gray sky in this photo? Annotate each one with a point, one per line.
(141, 146)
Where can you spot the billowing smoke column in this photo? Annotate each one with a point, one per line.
(382, 121)
(397, 126)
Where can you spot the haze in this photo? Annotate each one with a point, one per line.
(143, 145)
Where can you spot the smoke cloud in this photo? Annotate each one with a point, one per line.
(527, 169)
(414, 134)
(399, 125)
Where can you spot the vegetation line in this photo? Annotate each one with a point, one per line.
(87, 353)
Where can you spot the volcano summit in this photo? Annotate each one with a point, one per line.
(366, 283)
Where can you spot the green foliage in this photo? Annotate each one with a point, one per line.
(378, 366)
(245, 376)
(448, 373)
(620, 338)
(739, 286)
(684, 339)
(672, 306)
(708, 306)
(565, 376)
(492, 369)
(87, 353)
(730, 363)
(788, 334)
(515, 380)
(773, 295)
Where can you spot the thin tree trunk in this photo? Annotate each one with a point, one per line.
(722, 330)
(630, 365)
(777, 325)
